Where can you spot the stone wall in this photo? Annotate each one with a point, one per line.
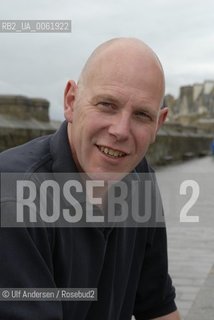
(10, 137)
(176, 143)
(24, 108)
(23, 119)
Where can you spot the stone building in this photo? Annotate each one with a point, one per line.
(22, 119)
(194, 106)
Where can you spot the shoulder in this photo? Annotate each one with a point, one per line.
(144, 170)
(27, 157)
(144, 167)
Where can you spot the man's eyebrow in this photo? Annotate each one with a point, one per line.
(153, 112)
(105, 97)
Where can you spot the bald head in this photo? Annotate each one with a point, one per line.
(134, 55)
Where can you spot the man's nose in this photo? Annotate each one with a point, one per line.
(120, 126)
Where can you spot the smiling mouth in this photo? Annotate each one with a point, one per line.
(111, 152)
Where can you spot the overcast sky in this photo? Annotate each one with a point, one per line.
(38, 65)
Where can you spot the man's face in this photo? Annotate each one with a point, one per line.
(113, 119)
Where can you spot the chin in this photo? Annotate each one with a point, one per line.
(105, 176)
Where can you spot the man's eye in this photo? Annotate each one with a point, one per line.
(142, 115)
(105, 104)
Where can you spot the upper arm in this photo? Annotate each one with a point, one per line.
(155, 294)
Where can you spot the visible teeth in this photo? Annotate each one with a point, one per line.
(111, 152)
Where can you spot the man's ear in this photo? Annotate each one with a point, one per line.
(162, 117)
(69, 98)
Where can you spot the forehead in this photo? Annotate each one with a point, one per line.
(122, 86)
(120, 94)
(138, 75)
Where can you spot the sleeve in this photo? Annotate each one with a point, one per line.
(155, 294)
(26, 262)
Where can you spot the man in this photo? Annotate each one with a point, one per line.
(112, 116)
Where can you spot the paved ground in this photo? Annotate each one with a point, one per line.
(203, 307)
(191, 245)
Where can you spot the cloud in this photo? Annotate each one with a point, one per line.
(181, 32)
